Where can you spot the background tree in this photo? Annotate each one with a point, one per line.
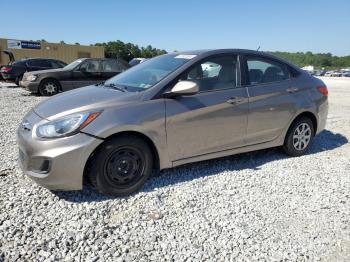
(128, 51)
(319, 60)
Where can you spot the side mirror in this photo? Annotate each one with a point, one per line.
(183, 88)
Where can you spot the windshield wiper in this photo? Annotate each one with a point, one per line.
(100, 84)
(114, 86)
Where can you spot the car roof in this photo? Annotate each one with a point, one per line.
(207, 52)
(38, 58)
(216, 51)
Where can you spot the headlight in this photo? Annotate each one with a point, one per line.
(31, 77)
(66, 126)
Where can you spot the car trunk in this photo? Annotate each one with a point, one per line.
(10, 55)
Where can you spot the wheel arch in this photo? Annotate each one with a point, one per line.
(309, 115)
(150, 143)
(51, 78)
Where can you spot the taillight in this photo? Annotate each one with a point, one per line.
(323, 90)
(6, 69)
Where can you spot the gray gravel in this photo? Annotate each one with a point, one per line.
(257, 206)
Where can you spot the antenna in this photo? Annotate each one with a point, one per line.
(258, 48)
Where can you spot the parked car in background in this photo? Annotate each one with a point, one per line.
(11, 60)
(15, 70)
(136, 61)
(346, 74)
(166, 112)
(79, 73)
(319, 73)
(333, 73)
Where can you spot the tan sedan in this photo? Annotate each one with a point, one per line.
(168, 111)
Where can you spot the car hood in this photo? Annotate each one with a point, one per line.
(47, 71)
(88, 98)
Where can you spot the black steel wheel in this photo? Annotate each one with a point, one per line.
(121, 166)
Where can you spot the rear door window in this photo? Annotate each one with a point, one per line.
(262, 70)
(40, 63)
(57, 64)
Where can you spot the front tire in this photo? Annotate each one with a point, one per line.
(299, 137)
(121, 166)
(49, 87)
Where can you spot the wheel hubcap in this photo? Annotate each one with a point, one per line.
(302, 136)
(50, 88)
(124, 167)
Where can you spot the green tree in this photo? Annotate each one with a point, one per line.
(319, 60)
(128, 51)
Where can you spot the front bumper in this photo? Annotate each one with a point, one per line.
(32, 86)
(56, 164)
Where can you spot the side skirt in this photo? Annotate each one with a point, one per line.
(228, 152)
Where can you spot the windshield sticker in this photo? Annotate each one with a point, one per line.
(185, 56)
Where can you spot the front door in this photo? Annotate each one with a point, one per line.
(213, 120)
(88, 73)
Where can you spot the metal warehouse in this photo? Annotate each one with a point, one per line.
(63, 52)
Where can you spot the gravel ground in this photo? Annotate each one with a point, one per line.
(256, 206)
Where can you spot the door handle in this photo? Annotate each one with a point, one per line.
(292, 89)
(235, 100)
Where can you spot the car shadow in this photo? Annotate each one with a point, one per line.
(9, 85)
(30, 94)
(325, 141)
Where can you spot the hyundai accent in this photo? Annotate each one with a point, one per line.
(171, 110)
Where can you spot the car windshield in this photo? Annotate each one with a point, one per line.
(73, 64)
(148, 73)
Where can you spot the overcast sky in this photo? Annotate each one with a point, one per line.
(317, 26)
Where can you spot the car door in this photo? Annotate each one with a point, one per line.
(213, 120)
(88, 73)
(271, 98)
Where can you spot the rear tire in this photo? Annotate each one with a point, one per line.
(299, 137)
(18, 79)
(49, 87)
(121, 166)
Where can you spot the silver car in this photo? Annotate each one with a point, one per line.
(171, 110)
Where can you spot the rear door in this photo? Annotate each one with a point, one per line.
(213, 120)
(272, 98)
(88, 73)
